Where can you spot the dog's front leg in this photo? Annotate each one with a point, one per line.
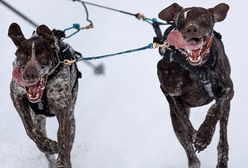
(183, 128)
(61, 102)
(215, 113)
(43, 143)
(181, 113)
(64, 138)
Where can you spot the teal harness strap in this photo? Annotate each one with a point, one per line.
(79, 57)
(150, 46)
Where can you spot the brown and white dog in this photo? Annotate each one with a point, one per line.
(195, 71)
(41, 86)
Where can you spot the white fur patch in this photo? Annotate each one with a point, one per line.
(33, 50)
(186, 13)
(34, 34)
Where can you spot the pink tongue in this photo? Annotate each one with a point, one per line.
(17, 76)
(176, 39)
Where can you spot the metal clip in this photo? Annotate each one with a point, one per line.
(164, 45)
(69, 62)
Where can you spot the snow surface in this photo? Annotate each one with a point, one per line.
(122, 117)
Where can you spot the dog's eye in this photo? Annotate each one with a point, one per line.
(22, 67)
(43, 66)
(44, 62)
(43, 59)
(21, 56)
(203, 16)
(20, 60)
(43, 56)
(180, 26)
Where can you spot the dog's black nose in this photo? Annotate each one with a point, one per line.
(30, 73)
(192, 29)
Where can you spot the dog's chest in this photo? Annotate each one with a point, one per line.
(203, 84)
(57, 93)
(59, 88)
(200, 91)
(197, 86)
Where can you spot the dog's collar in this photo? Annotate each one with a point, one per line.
(57, 52)
(64, 52)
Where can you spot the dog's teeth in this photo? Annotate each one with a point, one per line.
(189, 52)
(41, 82)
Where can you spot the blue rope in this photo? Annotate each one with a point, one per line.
(150, 46)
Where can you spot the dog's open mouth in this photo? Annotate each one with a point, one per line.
(194, 48)
(35, 91)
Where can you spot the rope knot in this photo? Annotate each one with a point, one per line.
(140, 16)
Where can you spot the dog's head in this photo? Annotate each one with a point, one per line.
(194, 29)
(36, 58)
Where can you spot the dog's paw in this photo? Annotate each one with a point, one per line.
(48, 146)
(222, 164)
(203, 137)
(195, 163)
(63, 163)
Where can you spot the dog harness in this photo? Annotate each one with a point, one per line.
(205, 73)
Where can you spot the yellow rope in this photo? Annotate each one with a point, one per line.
(90, 26)
(141, 16)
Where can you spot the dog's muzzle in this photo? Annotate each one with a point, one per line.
(194, 48)
(34, 89)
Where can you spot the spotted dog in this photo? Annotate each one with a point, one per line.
(193, 72)
(41, 86)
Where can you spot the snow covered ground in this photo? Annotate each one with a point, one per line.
(122, 117)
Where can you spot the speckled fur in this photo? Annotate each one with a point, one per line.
(182, 90)
(61, 93)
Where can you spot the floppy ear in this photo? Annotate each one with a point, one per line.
(169, 13)
(45, 32)
(15, 33)
(219, 12)
(47, 35)
(44, 29)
